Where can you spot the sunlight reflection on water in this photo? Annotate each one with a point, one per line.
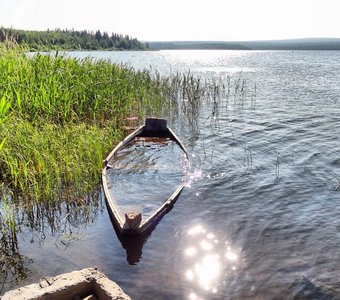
(209, 260)
(193, 176)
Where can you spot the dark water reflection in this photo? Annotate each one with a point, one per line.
(30, 227)
(259, 218)
(14, 267)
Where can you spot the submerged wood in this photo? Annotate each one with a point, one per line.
(133, 219)
(84, 284)
(134, 222)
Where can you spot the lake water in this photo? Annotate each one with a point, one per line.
(260, 215)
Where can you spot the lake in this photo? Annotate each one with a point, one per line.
(259, 217)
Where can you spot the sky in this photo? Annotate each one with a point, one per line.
(168, 20)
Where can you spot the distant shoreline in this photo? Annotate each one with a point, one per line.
(290, 44)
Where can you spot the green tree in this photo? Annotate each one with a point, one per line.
(98, 35)
(70, 39)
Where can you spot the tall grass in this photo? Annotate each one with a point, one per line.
(70, 90)
(66, 114)
(4, 108)
(41, 160)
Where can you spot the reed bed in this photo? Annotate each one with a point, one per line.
(40, 161)
(52, 88)
(60, 116)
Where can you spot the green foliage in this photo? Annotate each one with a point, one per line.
(68, 90)
(42, 160)
(66, 115)
(70, 40)
(4, 108)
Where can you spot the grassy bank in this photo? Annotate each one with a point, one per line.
(63, 116)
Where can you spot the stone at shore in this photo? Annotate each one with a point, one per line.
(77, 285)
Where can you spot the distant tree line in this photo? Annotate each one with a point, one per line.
(199, 45)
(71, 40)
(290, 44)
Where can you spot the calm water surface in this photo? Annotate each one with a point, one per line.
(260, 216)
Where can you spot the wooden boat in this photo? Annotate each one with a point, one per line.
(130, 219)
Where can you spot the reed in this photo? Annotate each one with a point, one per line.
(188, 92)
(70, 90)
(4, 108)
(39, 161)
(62, 116)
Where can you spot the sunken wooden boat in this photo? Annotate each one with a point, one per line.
(137, 219)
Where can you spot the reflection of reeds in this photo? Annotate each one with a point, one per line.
(65, 219)
(277, 164)
(7, 224)
(248, 158)
(13, 266)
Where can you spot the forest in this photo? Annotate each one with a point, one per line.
(71, 40)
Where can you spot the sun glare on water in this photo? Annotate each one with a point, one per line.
(209, 261)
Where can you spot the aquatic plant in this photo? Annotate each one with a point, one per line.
(69, 90)
(4, 108)
(187, 93)
(66, 114)
(40, 161)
